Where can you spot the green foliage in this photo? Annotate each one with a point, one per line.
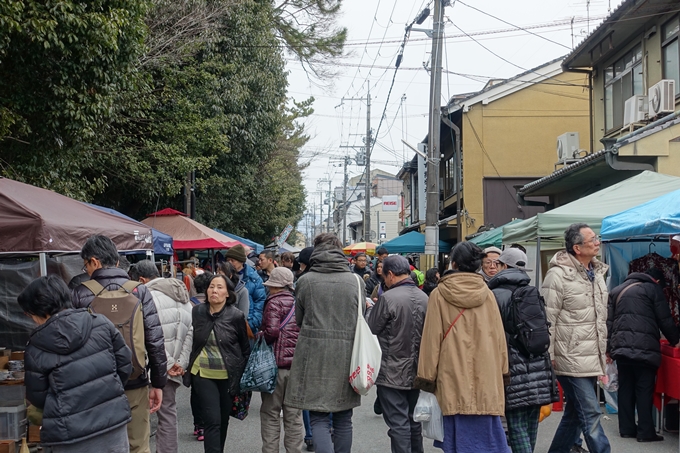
(117, 101)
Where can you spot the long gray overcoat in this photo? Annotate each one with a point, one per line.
(326, 311)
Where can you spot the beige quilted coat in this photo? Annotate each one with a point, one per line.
(577, 311)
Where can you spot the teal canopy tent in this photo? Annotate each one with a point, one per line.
(412, 242)
(492, 238)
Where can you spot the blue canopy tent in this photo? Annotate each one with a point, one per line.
(257, 248)
(162, 243)
(637, 231)
(411, 242)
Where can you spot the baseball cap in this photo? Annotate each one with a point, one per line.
(281, 277)
(514, 257)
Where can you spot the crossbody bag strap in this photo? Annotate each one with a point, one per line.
(360, 298)
(623, 291)
(288, 317)
(452, 324)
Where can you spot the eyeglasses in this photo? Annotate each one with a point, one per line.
(595, 240)
(84, 269)
(493, 263)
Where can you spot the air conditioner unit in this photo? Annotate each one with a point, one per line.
(567, 147)
(635, 110)
(661, 98)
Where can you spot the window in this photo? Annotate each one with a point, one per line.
(671, 52)
(622, 80)
(450, 176)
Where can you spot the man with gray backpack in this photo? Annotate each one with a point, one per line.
(130, 307)
(532, 381)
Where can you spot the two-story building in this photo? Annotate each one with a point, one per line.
(632, 61)
(495, 141)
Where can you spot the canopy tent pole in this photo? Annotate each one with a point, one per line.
(43, 264)
(538, 262)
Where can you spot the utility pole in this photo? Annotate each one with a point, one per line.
(433, 148)
(321, 211)
(367, 182)
(329, 205)
(344, 203)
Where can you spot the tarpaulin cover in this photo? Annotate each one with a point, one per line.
(15, 276)
(253, 245)
(592, 208)
(187, 234)
(660, 216)
(34, 220)
(492, 237)
(411, 242)
(162, 243)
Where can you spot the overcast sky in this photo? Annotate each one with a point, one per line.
(375, 31)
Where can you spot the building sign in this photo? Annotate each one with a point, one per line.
(390, 203)
(383, 230)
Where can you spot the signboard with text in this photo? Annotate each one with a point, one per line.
(390, 203)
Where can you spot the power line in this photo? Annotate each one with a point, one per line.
(513, 25)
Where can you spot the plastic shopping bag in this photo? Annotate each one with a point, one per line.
(610, 380)
(427, 412)
(261, 371)
(366, 354)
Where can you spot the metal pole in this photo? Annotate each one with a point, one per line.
(367, 210)
(433, 148)
(43, 264)
(321, 211)
(538, 262)
(344, 205)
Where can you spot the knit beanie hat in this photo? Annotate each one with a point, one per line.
(305, 255)
(237, 252)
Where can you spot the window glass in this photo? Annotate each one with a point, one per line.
(637, 79)
(671, 64)
(619, 66)
(637, 53)
(619, 98)
(608, 74)
(672, 27)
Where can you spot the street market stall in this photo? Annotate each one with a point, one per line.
(492, 238)
(592, 209)
(162, 243)
(360, 247)
(257, 248)
(41, 233)
(412, 242)
(187, 234)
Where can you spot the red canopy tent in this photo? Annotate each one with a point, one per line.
(188, 234)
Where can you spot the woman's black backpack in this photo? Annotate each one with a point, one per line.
(531, 326)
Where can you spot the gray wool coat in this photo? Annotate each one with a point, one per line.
(326, 311)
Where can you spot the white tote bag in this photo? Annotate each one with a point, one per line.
(366, 353)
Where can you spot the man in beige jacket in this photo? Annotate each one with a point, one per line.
(576, 296)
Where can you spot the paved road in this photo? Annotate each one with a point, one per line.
(370, 432)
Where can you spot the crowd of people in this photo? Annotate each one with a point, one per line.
(97, 370)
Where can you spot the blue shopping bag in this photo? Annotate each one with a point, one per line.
(261, 371)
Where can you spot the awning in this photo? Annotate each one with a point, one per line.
(35, 220)
(253, 245)
(492, 237)
(188, 234)
(412, 242)
(593, 208)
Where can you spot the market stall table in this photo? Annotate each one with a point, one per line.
(667, 384)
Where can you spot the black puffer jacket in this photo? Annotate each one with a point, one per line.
(229, 325)
(532, 381)
(633, 324)
(112, 279)
(397, 319)
(76, 365)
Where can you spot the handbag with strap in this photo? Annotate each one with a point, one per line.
(366, 353)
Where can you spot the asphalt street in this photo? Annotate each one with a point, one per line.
(370, 432)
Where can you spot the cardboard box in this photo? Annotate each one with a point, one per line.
(3, 361)
(17, 355)
(33, 434)
(5, 352)
(7, 446)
